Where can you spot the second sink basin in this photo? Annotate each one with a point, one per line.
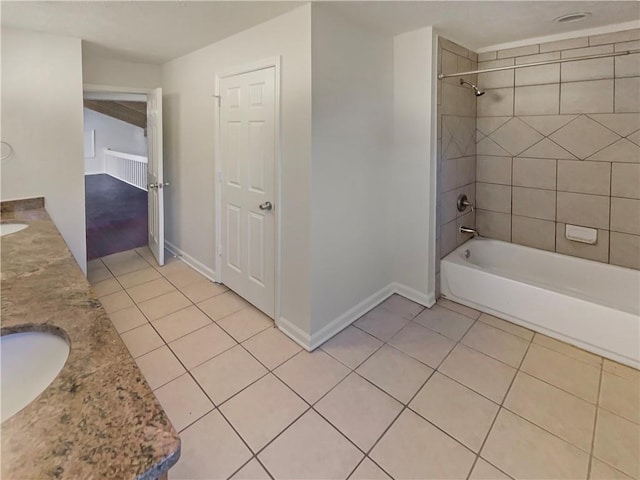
(9, 228)
(30, 362)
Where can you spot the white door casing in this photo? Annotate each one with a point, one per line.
(155, 177)
(248, 162)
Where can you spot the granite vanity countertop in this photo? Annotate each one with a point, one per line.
(98, 418)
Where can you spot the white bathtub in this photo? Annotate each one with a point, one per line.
(589, 304)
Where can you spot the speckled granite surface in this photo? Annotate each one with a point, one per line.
(98, 418)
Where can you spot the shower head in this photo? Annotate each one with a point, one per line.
(476, 90)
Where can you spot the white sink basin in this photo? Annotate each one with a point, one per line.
(9, 228)
(30, 362)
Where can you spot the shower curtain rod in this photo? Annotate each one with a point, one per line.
(547, 62)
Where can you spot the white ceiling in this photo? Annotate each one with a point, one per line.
(155, 32)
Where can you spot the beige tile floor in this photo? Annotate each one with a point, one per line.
(405, 392)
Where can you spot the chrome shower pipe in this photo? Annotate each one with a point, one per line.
(535, 64)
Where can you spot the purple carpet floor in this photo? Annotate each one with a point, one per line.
(116, 216)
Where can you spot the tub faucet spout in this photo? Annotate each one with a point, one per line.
(464, 229)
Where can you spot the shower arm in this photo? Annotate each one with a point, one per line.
(535, 64)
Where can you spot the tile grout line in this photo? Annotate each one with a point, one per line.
(595, 422)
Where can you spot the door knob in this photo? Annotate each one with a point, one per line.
(266, 206)
(152, 185)
(165, 184)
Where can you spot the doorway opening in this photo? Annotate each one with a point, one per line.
(115, 151)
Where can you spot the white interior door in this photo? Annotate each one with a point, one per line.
(247, 148)
(155, 177)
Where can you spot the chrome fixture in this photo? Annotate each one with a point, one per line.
(464, 229)
(467, 253)
(158, 185)
(476, 90)
(535, 64)
(265, 206)
(463, 202)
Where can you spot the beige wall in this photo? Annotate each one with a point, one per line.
(42, 120)
(119, 73)
(189, 130)
(456, 146)
(560, 144)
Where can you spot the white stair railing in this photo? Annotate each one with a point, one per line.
(129, 168)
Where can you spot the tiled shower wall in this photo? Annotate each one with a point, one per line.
(560, 144)
(456, 147)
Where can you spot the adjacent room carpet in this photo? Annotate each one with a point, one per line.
(116, 215)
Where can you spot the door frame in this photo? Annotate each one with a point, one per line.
(117, 91)
(217, 163)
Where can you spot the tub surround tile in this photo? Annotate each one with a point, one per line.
(584, 210)
(627, 98)
(534, 203)
(625, 250)
(595, 69)
(483, 470)
(598, 252)
(368, 470)
(625, 180)
(533, 232)
(494, 225)
(538, 100)
(593, 96)
(628, 66)
(534, 173)
(538, 75)
(496, 198)
(625, 215)
(584, 177)
(100, 385)
(622, 151)
(496, 102)
(564, 44)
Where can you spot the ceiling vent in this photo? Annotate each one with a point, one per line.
(572, 17)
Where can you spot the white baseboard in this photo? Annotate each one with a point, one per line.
(311, 342)
(350, 316)
(414, 295)
(189, 260)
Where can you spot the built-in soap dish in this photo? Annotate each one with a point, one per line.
(581, 234)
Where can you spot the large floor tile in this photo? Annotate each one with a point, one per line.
(121, 268)
(620, 370)
(460, 412)
(141, 340)
(402, 306)
(271, 347)
(524, 450)
(423, 344)
(210, 450)
(381, 323)
(479, 372)
(116, 301)
(496, 343)
(602, 471)
(562, 371)
(620, 396)
(555, 410)
(311, 375)
(181, 323)
(245, 323)
(184, 401)
(222, 305)
(506, 326)
(368, 470)
(569, 350)
(359, 410)
(310, 449)
(263, 410)
(98, 272)
(106, 287)
(139, 277)
(396, 373)
(149, 290)
(617, 443)
(163, 305)
(352, 346)
(251, 471)
(414, 449)
(228, 373)
(483, 470)
(447, 322)
(202, 345)
(183, 278)
(456, 307)
(159, 366)
(202, 290)
(127, 319)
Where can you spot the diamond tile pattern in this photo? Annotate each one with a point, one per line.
(515, 136)
(426, 402)
(583, 137)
